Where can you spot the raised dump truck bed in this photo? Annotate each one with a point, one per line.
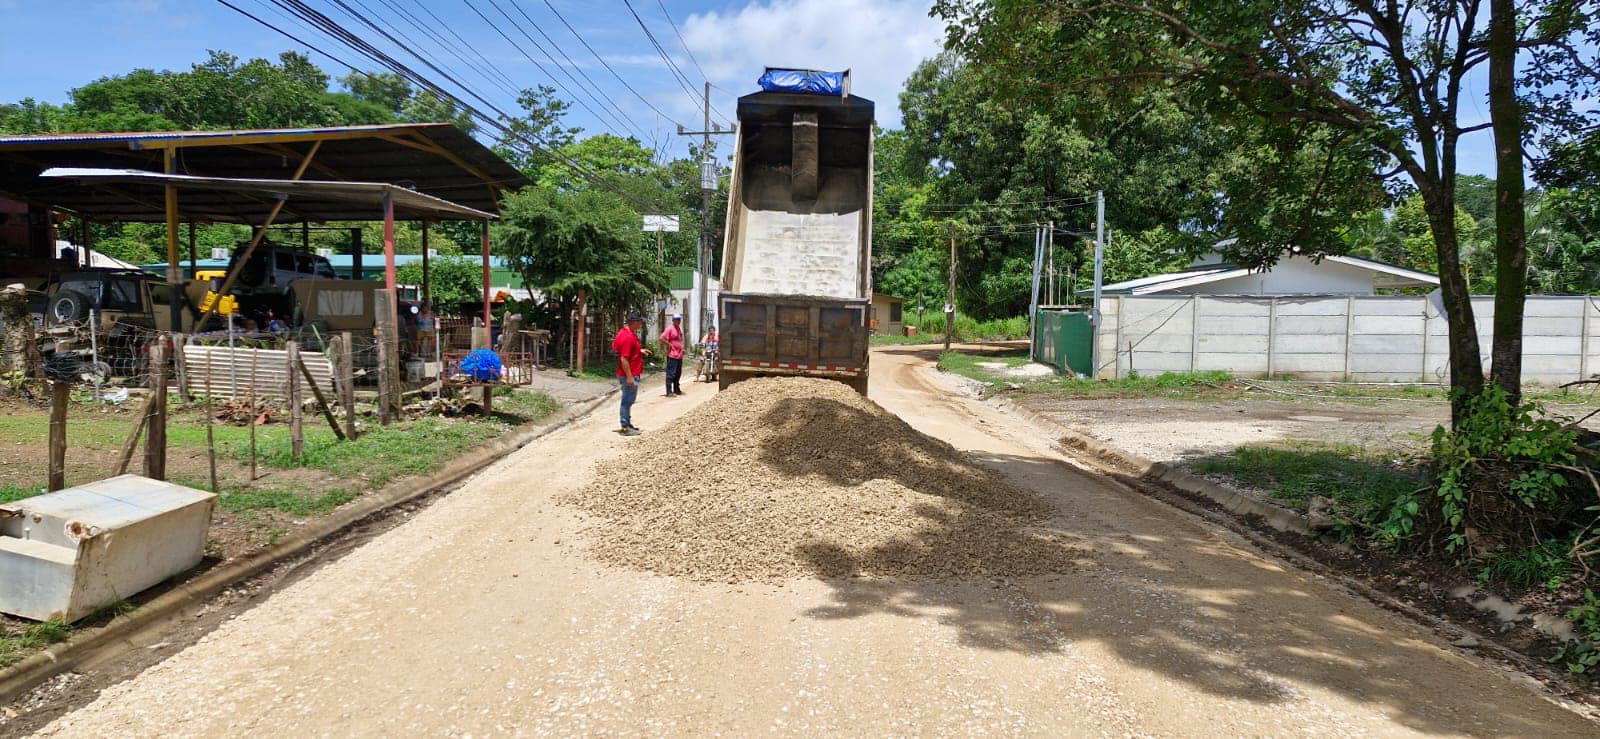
(796, 275)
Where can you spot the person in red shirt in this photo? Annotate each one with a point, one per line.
(630, 368)
(673, 338)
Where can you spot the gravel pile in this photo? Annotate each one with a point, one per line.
(777, 478)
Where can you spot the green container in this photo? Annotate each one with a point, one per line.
(1064, 339)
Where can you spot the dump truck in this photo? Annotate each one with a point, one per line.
(796, 265)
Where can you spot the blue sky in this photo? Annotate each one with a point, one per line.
(52, 46)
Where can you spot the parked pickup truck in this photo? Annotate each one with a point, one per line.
(796, 266)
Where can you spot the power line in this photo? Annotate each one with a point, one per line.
(530, 58)
(464, 42)
(607, 65)
(672, 67)
(439, 40)
(681, 42)
(320, 21)
(572, 64)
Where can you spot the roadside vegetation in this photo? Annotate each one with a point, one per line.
(1507, 496)
(256, 513)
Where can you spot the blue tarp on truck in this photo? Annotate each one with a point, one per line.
(803, 80)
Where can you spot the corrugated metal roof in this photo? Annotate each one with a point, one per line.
(437, 159)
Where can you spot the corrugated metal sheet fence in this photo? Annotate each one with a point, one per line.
(236, 373)
(1364, 338)
(1063, 339)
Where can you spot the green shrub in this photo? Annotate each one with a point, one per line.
(1546, 564)
(1584, 654)
(1498, 472)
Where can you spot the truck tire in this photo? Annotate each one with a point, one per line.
(858, 384)
(68, 306)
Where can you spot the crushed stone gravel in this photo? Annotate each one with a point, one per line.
(779, 478)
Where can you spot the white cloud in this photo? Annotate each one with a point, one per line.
(879, 41)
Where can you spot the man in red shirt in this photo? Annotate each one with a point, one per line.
(673, 338)
(630, 368)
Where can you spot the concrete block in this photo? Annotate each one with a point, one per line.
(1238, 363)
(1232, 343)
(1552, 306)
(1310, 307)
(65, 554)
(1308, 363)
(1331, 325)
(1410, 325)
(1310, 344)
(1380, 306)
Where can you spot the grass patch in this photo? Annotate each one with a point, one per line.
(1360, 484)
(968, 328)
(969, 365)
(286, 501)
(18, 645)
(385, 452)
(894, 340)
(1546, 564)
(524, 407)
(9, 493)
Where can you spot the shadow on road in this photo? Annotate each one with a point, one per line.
(1076, 564)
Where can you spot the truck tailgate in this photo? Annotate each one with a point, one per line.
(802, 334)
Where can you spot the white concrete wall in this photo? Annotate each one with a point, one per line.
(1294, 275)
(1365, 338)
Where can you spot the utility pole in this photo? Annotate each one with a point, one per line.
(1050, 241)
(708, 185)
(950, 295)
(1033, 303)
(1099, 263)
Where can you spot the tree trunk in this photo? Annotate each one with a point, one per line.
(1510, 245)
(1466, 366)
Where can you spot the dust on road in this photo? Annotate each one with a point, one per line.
(487, 614)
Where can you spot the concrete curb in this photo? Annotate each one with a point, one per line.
(1280, 518)
(20, 677)
(1234, 501)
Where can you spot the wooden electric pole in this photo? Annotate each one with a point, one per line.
(950, 295)
(708, 185)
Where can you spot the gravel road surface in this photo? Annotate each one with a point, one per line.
(486, 614)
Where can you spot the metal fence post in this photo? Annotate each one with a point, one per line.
(1349, 333)
(1194, 331)
(1272, 337)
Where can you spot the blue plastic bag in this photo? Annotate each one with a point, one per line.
(803, 80)
(482, 365)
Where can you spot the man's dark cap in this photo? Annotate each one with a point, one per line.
(635, 317)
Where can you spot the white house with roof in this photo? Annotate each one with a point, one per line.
(1292, 275)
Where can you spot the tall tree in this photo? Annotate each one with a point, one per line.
(1387, 76)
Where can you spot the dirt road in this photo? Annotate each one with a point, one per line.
(483, 615)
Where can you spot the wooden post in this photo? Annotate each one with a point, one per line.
(322, 401)
(583, 327)
(297, 437)
(488, 320)
(155, 437)
(344, 371)
(133, 438)
(180, 366)
(255, 364)
(387, 356)
(211, 438)
(60, 396)
(1272, 337)
(427, 294)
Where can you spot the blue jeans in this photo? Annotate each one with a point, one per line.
(674, 372)
(629, 392)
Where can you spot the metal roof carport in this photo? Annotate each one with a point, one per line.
(344, 196)
(436, 161)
